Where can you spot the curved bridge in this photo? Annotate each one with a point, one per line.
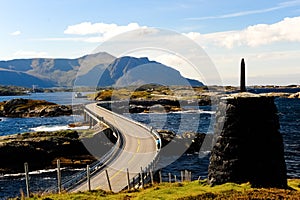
(137, 150)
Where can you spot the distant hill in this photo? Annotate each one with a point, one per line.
(101, 69)
(9, 77)
(127, 71)
(49, 72)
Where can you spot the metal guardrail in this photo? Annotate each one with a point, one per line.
(148, 128)
(97, 166)
(144, 176)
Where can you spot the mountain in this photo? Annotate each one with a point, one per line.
(49, 72)
(127, 71)
(9, 77)
(100, 69)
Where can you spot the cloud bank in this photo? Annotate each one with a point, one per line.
(287, 30)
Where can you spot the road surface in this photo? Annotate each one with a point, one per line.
(139, 150)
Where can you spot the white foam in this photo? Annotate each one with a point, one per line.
(31, 173)
(195, 112)
(203, 154)
(58, 128)
(2, 119)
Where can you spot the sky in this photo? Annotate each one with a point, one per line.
(265, 33)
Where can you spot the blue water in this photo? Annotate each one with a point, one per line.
(179, 122)
(64, 98)
(20, 125)
(288, 111)
(289, 117)
(10, 126)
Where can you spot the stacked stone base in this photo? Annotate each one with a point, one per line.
(249, 147)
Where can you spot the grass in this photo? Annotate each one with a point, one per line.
(187, 191)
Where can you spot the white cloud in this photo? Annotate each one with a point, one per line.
(98, 32)
(104, 30)
(16, 33)
(261, 34)
(94, 33)
(30, 54)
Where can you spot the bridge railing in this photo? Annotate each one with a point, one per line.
(95, 167)
(148, 128)
(145, 175)
(81, 176)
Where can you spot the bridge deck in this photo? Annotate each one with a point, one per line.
(139, 150)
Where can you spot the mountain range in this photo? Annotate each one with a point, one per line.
(100, 69)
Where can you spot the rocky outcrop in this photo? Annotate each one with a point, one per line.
(249, 147)
(12, 90)
(42, 149)
(146, 106)
(276, 94)
(295, 96)
(32, 108)
(190, 142)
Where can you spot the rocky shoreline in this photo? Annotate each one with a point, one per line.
(42, 149)
(32, 108)
(148, 106)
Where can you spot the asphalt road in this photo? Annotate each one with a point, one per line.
(138, 151)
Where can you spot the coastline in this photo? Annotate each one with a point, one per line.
(41, 149)
(70, 148)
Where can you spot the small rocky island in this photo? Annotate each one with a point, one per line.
(32, 108)
(42, 149)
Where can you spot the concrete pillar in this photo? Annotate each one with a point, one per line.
(249, 147)
(84, 116)
(90, 121)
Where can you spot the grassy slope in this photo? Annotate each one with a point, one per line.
(193, 190)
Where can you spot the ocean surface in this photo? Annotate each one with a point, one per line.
(179, 122)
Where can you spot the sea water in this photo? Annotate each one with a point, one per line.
(179, 122)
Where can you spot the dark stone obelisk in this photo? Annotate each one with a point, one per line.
(249, 146)
(243, 76)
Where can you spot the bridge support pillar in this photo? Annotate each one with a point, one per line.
(84, 116)
(90, 121)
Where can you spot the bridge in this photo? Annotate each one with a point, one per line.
(134, 153)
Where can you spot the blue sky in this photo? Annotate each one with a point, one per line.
(265, 33)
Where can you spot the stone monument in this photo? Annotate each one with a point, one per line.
(243, 76)
(249, 147)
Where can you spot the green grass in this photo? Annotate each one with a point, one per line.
(189, 191)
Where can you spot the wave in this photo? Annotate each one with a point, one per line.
(195, 112)
(177, 112)
(58, 128)
(203, 154)
(31, 173)
(38, 172)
